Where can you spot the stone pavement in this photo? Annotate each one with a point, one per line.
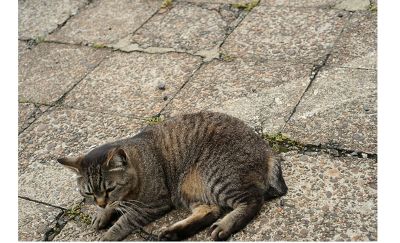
(302, 72)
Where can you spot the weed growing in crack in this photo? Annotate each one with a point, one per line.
(75, 213)
(166, 3)
(281, 143)
(154, 120)
(227, 58)
(246, 6)
(98, 45)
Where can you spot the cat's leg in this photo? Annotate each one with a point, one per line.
(130, 221)
(202, 216)
(104, 217)
(237, 219)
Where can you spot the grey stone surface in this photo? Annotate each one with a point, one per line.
(259, 93)
(78, 230)
(188, 27)
(286, 34)
(345, 115)
(357, 47)
(106, 21)
(300, 3)
(48, 70)
(25, 111)
(60, 133)
(127, 83)
(329, 199)
(37, 18)
(353, 5)
(34, 220)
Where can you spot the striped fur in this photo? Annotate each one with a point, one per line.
(206, 161)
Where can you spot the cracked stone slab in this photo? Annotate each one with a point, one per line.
(106, 21)
(353, 5)
(136, 84)
(37, 18)
(300, 3)
(27, 113)
(357, 47)
(261, 94)
(329, 199)
(78, 230)
(297, 35)
(48, 71)
(60, 133)
(347, 99)
(187, 27)
(34, 220)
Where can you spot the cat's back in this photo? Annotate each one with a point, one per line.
(194, 136)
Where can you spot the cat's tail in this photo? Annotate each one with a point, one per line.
(276, 184)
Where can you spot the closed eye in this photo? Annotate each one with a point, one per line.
(110, 189)
(87, 194)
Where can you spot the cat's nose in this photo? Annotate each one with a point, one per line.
(101, 202)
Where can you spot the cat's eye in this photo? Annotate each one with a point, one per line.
(88, 194)
(110, 189)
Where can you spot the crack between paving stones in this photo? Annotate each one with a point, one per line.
(183, 85)
(58, 103)
(59, 26)
(314, 72)
(316, 69)
(42, 203)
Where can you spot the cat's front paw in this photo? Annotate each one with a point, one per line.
(101, 220)
(168, 233)
(219, 231)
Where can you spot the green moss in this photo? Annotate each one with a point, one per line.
(166, 3)
(75, 213)
(246, 6)
(98, 45)
(280, 143)
(373, 8)
(154, 119)
(227, 58)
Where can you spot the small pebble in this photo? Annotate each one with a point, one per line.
(340, 15)
(165, 98)
(161, 86)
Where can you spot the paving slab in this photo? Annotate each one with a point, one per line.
(357, 46)
(262, 94)
(297, 35)
(339, 109)
(48, 71)
(136, 84)
(77, 229)
(329, 199)
(300, 3)
(187, 27)
(353, 5)
(106, 21)
(37, 18)
(59, 133)
(34, 220)
(27, 113)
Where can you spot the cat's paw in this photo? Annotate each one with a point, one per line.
(168, 233)
(219, 231)
(101, 220)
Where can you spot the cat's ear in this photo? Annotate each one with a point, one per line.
(73, 164)
(116, 159)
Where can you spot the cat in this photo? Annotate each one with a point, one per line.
(209, 162)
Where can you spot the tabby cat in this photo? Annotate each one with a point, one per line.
(209, 162)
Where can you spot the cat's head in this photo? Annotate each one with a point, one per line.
(103, 174)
